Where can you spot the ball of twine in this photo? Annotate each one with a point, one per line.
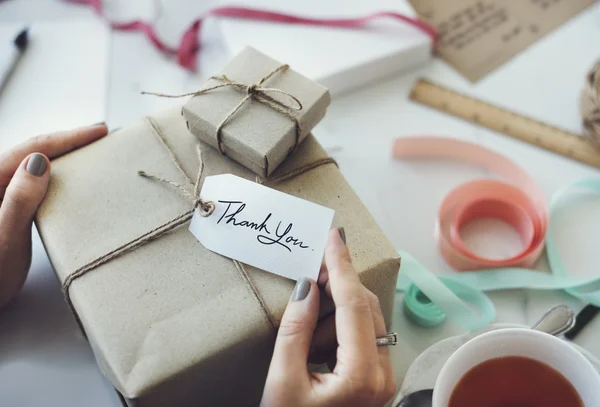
(590, 103)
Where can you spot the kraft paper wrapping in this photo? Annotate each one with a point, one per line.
(257, 136)
(172, 323)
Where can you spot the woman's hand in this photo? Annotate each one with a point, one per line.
(24, 176)
(362, 375)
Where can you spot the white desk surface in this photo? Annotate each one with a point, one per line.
(45, 361)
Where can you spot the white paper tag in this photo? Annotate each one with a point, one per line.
(263, 227)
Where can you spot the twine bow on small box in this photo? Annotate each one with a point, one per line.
(254, 91)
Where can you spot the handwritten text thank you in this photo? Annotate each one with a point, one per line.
(262, 227)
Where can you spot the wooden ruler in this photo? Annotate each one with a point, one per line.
(522, 128)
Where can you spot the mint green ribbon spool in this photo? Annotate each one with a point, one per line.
(419, 308)
(429, 299)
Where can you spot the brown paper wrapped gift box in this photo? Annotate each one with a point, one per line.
(171, 323)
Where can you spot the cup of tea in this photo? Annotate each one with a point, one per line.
(517, 367)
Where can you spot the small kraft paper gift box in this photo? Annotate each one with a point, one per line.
(257, 111)
(170, 322)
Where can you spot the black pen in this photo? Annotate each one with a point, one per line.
(15, 55)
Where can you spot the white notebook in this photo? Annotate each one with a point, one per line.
(340, 58)
(61, 81)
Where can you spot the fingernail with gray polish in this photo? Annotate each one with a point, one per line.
(36, 165)
(98, 124)
(342, 234)
(301, 290)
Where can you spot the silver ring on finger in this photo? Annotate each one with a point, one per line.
(390, 339)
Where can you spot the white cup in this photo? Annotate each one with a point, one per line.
(525, 342)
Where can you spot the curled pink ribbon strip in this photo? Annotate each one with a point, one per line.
(518, 201)
(190, 42)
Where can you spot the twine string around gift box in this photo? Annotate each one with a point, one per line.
(205, 208)
(254, 91)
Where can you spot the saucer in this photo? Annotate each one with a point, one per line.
(423, 372)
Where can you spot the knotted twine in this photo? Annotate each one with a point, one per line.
(253, 91)
(205, 209)
(590, 103)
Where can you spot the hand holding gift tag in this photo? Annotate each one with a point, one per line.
(263, 227)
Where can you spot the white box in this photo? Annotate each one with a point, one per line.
(341, 59)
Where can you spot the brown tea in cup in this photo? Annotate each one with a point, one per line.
(514, 381)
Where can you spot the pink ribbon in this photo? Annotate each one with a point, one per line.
(190, 42)
(518, 202)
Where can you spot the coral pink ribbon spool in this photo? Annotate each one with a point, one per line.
(516, 200)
